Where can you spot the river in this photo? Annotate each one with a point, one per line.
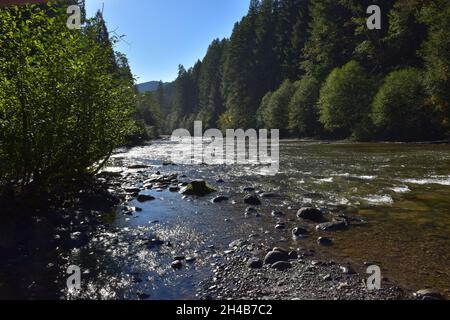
(401, 191)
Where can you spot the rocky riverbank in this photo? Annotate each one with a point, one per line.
(252, 269)
(280, 257)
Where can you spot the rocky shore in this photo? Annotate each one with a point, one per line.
(249, 269)
(256, 267)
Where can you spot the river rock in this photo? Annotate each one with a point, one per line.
(428, 294)
(177, 264)
(281, 266)
(249, 211)
(252, 200)
(325, 241)
(293, 255)
(255, 263)
(190, 259)
(269, 195)
(280, 226)
(144, 198)
(174, 188)
(276, 256)
(332, 226)
(277, 213)
(132, 189)
(197, 188)
(347, 269)
(220, 199)
(299, 232)
(249, 189)
(237, 243)
(311, 214)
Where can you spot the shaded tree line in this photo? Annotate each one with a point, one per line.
(312, 68)
(66, 97)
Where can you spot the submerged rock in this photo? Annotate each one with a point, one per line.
(276, 256)
(252, 200)
(220, 199)
(332, 226)
(197, 188)
(311, 214)
(174, 188)
(277, 213)
(299, 232)
(428, 294)
(325, 241)
(177, 264)
(145, 198)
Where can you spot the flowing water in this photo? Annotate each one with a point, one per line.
(402, 191)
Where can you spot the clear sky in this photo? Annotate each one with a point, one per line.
(161, 34)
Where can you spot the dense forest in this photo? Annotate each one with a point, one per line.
(312, 68)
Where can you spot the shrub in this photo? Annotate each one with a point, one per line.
(399, 109)
(345, 99)
(64, 104)
(303, 113)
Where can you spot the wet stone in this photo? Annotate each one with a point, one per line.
(281, 266)
(220, 199)
(332, 226)
(145, 198)
(275, 256)
(177, 264)
(323, 241)
(252, 200)
(255, 263)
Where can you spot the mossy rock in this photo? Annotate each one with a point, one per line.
(197, 188)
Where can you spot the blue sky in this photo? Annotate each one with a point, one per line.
(161, 34)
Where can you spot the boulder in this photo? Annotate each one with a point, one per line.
(332, 226)
(252, 200)
(197, 188)
(311, 214)
(276, 256)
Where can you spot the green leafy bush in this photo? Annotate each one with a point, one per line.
(274, 108)
(345, 99)
(400, 111)
(303, 113)
(64, 103)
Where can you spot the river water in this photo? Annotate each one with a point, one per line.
(402, 191)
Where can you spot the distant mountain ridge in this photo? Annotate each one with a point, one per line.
(150, 86)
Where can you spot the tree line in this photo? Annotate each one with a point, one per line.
(312, 68)
(67, 99)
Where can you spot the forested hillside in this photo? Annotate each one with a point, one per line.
(312, 68)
